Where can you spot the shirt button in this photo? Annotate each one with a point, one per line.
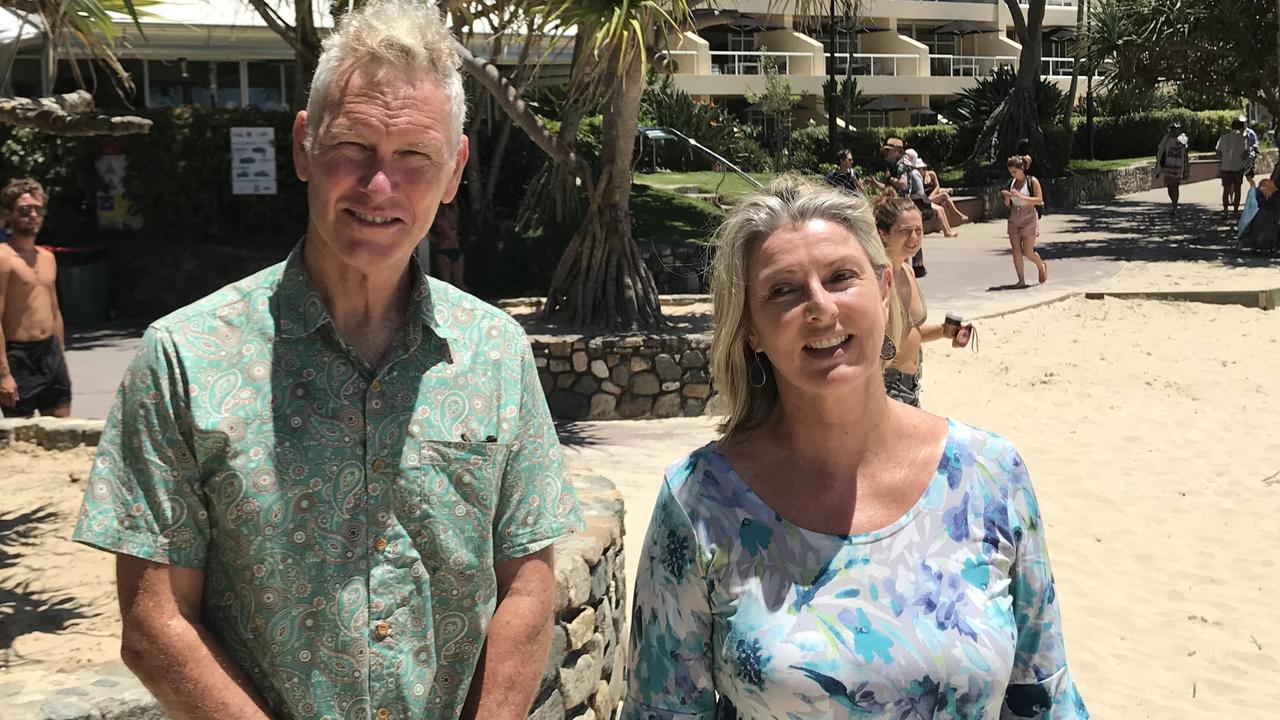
(383, 714)
(378, 465)
(376, 385)
(382, 630)
(380, 545)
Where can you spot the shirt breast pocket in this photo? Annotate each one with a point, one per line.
(454, 488)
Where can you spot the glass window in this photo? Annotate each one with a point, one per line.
(179, 82)
(24, 78)
(266, 85)
(226, 80)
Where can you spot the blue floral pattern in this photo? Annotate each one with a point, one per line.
(948, 613)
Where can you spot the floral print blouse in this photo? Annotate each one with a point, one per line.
(949, 612)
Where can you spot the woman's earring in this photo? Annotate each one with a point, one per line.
(888, 350)
(757, 375)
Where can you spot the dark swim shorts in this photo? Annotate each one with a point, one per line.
(40, 369)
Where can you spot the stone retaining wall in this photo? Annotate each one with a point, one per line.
(1076, 190)
(624, 377)
(583, 678)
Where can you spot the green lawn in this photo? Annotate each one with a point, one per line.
(731, 185)
(669, 218)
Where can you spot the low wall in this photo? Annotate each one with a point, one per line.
(624, 377)
(1075, 190)
(583, 678)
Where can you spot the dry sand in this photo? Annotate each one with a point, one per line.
(57, 598)
(1152, 431)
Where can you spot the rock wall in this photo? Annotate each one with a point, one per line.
(583, 678)
(624, 377)
(1076, 190)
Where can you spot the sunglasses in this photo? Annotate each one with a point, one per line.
(29, 210)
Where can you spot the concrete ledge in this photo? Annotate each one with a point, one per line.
(1261, 299)
(51, 433)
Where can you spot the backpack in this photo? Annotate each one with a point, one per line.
(1175, 156)
(1040, 208)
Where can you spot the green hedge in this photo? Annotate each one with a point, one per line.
(935, 143)
(1129, 136)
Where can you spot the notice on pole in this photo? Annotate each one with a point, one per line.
(253, 161)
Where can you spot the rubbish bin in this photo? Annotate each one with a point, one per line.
(82, 284)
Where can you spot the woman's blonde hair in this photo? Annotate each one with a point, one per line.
(1020, 162)
(787, 202)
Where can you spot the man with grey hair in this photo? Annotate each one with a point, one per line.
(332, 487)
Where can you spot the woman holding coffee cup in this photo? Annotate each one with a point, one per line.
(902, 232)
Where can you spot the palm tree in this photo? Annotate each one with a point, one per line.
(70, 25)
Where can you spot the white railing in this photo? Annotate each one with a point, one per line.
(873, 64)
(729, 62)
(967, 65)
(1056, 67)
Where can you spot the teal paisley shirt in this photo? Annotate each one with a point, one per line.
(949, 613)
(347, 518)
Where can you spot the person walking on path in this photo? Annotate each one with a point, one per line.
(332, 487)
(1021, 197)
(1173, 163)
(33, 365)
(1232, 149)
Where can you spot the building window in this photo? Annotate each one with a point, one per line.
(25, 78)
(267, 83)
(225, 83)
(179, 82)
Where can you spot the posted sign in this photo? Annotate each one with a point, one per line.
(253, 161)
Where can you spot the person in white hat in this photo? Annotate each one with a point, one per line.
(920, 196)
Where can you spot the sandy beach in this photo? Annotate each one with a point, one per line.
(1151, 429)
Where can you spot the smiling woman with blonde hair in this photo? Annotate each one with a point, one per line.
(836, 554)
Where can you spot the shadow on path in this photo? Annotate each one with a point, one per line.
(24, 609)
(89, 338)
(1140, 230)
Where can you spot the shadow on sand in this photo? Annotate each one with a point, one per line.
(24, 609)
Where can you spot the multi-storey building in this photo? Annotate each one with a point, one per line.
(916, 54)
(912, 54)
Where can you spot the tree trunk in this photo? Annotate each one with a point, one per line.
(1017, 117)
(601, 281)
(67, 115)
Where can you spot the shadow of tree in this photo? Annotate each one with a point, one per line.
(575, 434)
(23, 608)
(90, 338)
(1140, 230)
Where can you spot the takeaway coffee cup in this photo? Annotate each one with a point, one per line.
(952, 324)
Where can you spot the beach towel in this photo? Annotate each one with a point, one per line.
(1246, 214)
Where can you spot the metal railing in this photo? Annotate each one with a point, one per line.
(1056, 67)
(874, 64)
(967, 65)
(732, 62)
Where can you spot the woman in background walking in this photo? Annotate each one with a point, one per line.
(1021, 197)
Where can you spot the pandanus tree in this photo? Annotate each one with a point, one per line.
(1017, 117)
(72, 27)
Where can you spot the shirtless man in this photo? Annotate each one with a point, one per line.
(33, 370)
